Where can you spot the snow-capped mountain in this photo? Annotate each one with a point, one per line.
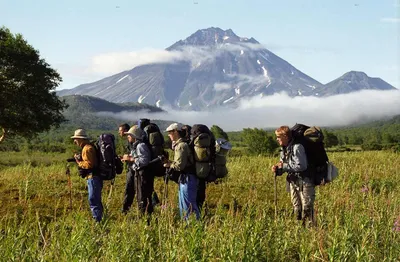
(211, 68)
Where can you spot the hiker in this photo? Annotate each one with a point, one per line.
(293, 160)
(139, 159)
(184, 164)
(155, 140)
(130, 175)
(87, 163)
(201, 189)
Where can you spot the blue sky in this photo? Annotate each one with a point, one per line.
(324, 39)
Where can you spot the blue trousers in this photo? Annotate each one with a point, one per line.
(95, 185)
(188, 185)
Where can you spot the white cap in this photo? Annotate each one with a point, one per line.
(174, 126)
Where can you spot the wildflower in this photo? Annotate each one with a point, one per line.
(364, 189)
(396, 225)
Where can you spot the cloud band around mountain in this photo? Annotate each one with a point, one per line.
(280, 109)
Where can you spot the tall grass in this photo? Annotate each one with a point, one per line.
(355, 217)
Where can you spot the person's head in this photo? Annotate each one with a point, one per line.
(173, 131)
(283, 135)
(122, 129)
(134, 134)
(80, 137)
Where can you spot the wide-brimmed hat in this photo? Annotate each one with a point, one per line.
(80, 133)
(174, 126)
(136, 132)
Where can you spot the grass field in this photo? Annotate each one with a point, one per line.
(358, 216)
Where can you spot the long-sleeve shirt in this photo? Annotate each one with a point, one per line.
(89, 157)
(183, 156)
(294, 158)
(141, 155)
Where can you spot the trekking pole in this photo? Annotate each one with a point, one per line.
(165, 193)
(275, 197)
(68, 173)
(110, 193)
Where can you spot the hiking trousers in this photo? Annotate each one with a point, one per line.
(302, 193)
(129, 190)
(201, 193)
(95, 185)
(144, 185)
(188, 184)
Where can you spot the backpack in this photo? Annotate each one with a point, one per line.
(203, 145)
(155, 140)
(109, 164)
(222, 149)
(312, 140)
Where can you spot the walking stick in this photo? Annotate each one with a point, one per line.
(110, 193)
(165, 193)
(275, 197)
(68, 173)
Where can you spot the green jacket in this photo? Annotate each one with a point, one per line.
(183, 157)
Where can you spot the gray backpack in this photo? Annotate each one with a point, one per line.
(222, 149)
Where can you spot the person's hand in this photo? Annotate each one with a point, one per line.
(167, 164)
(273, 168)
(125, 157)
(78, 157)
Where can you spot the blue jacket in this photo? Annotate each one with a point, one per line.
(142, 155)
(294, 158)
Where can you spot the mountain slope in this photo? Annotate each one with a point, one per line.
(82, 112)
(215, 68)
(89, 104)
(354, 81)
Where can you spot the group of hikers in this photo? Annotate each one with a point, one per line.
(184, 170)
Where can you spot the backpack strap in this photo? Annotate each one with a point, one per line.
(288, 155)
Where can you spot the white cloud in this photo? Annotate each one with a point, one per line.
(390, 20)
(112, 63)
(280, 109)
(222, 86)
(115, 62)
(242, 79)
(241, 46)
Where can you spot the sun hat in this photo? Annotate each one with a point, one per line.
(80, 133)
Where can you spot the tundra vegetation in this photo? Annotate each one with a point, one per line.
(358, 215)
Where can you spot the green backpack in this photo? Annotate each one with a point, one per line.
(203, 144)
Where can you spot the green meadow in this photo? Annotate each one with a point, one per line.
(44, 216)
